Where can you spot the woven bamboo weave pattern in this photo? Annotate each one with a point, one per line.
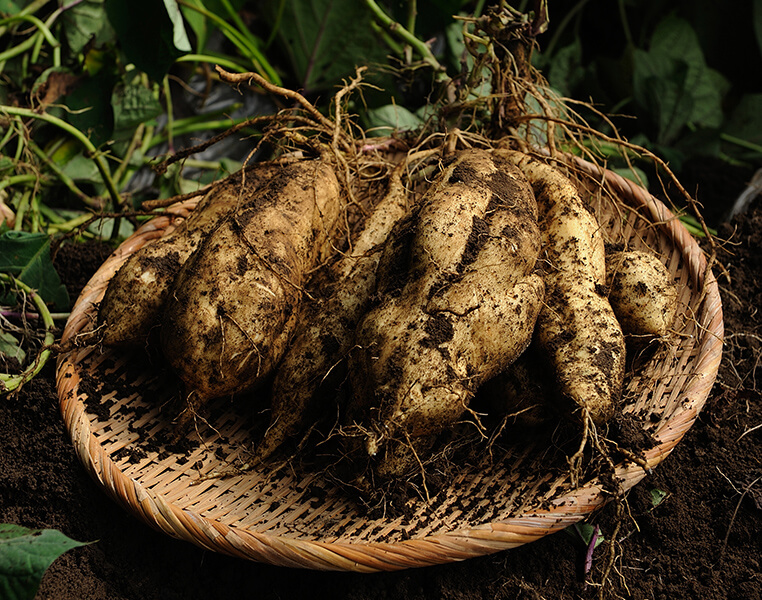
(113, 404)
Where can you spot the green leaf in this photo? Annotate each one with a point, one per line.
(197, 22)
(566, 70)
(26, 256)
(25, 555)
(134, 104)
(90, 104)
(658, 496)
(80, 168)
(85, 21)
(583, 532)
(673, 82)
(179, 35)
(146, 34)
(11, 7)
(385, 120)
(633, 174)
(10, 347)
(457, 47)
(586, 532)
(326, 39)
(745, 122)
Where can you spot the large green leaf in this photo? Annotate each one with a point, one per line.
(385, 120)
(746, 121)
(566, 69)
(673, 82)
(147, 34)
(26, 256)
(85, 21)
(326, 39)
(25, 555)
(201, 26)
(90, 104)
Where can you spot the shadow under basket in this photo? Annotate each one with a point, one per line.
(115, 406)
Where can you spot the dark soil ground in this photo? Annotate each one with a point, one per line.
(703, 541)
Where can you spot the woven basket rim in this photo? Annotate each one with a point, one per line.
(380, 556)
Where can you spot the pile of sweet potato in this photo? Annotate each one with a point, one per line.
(427, 304)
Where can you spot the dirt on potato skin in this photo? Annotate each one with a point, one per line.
(704, 540)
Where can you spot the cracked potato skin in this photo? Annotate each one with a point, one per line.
(457, 301)
(235, 301)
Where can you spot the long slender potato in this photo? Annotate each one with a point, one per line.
(577, 326)
(457, 304)
(327, 327)
(235, 302)
(135, 296)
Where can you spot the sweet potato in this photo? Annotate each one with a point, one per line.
(457, 301)
(135, 296)
(577, 327)
(520, 393)
(642, 293)
(235, 301)
(326, 331)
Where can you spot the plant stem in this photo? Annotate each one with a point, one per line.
(184, 127)
(396, 29)
(276, 26)
(51, 216)
(8, 383)
(396, 48)
(7, 135)
(72, 224)
(97, 156)
(625, 23)
(16, 179)
(213, 59)
(559, 29)
(21, 207)
(241, 41)
(137, 137)
(170, 114)
(202, 164)
(34, 41)
(64, 178)
(27, 10)
(34, 209)
(741, 142)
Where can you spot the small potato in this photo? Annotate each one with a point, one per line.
(642, 293)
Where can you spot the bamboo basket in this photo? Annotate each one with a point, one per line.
(113, 405)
